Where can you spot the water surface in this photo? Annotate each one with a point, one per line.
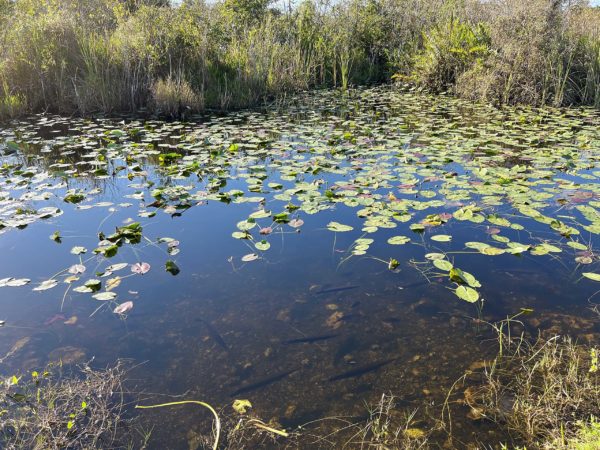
(320, 253)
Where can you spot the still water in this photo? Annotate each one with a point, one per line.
(307, 258)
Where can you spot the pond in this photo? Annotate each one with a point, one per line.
(308, 257)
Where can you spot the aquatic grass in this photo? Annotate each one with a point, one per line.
(385, 426)
(52, 409)
(541, 391)
(11, 105)
(173, 96)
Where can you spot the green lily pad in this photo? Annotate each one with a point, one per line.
(338, 227)
(592, 276)
(262, 245)
(443, 264)
(398, 240)
(467, 294)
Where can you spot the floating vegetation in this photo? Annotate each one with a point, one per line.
(525, 178)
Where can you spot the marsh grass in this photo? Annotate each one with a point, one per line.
(107, 56)
(85, 57)
(173, 96)
(384, 426)
(387, 427)
(52, 410)
(544, 392)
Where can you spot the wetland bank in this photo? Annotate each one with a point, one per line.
(308, 259)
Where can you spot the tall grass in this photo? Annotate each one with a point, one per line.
(67, 56)
(88, 56)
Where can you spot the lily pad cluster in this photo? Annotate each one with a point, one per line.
(414, 169)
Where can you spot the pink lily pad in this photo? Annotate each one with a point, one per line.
(124, 308)
(140, 268)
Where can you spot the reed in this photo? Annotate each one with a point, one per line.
(108, 56)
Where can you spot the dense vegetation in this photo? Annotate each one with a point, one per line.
(90, 56)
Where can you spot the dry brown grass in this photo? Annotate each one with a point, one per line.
(174, 96)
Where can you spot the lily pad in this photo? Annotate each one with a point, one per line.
(338, 227)
(467, 294)
(105, 296)
(45, 285)
(123, 308)
(250, 257)
(443, 264)
(592, 276)
(398, 240)
(262, 245)
(441, 238)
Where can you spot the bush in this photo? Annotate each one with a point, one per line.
(536, 57)
(449, 50)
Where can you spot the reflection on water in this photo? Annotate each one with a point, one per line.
(314, 327)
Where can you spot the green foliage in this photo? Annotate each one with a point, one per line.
(49, 409)
(588, 436)
(246, 12)
(110, 55)
(449, 50)
(89, 56)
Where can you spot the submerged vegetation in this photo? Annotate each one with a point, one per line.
(543, 394)
(111, 56)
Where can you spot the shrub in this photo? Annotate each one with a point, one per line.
(531, 58)
(449, 50)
